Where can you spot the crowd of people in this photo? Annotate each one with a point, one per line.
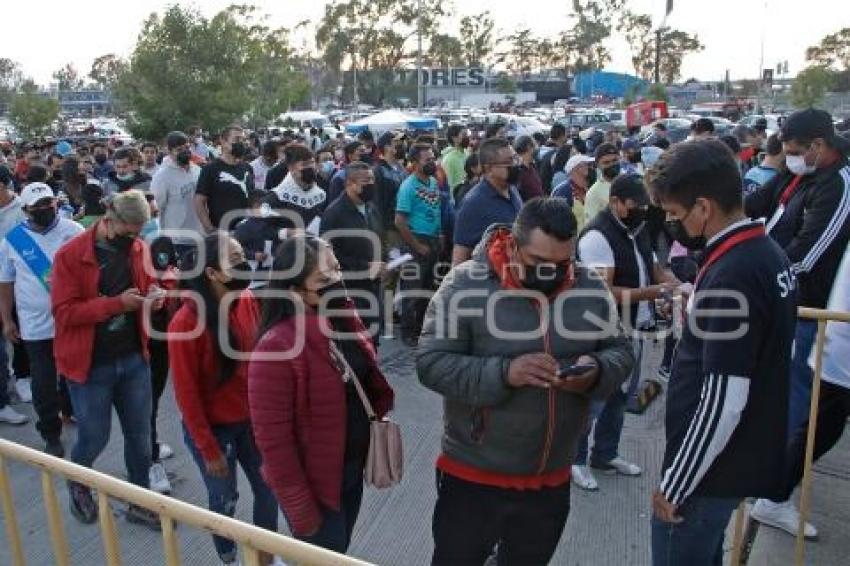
(260, 272)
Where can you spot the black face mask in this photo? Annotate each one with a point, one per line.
(339, 299)
(122, 242)
(43, 217)
(611, 171)
(464, 142)
(677, 231)
(400, 152)
(240, 283)
(238, 150)
(634, 158)
(429, 169)
(184, 157)
(545, 278)
(57, 174)
(100, 158)
(591, 177)
(308, 176)
(513, 174)
(367, 192)
(635, 217)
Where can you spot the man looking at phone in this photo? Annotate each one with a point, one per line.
(616, 244)
(100, 283)
(511, 422)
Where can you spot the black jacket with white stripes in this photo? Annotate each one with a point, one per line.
(727, 400)
(815, 227)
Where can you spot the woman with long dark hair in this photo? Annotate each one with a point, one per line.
(210, 384)
(310, 426)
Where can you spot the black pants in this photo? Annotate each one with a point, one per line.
(417, 285)
(45, 388)
(159, 377)
(833, 410)
(471, 519)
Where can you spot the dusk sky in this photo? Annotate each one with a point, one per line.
(731, 30)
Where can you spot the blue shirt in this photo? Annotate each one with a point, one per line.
(757, 177)
(421, 204)
(481, 207)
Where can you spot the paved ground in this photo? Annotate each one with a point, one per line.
(610, 527)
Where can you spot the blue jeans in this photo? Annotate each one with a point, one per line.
(236, 442)
(337, 526)
(698, 540)
(800, 393)
(124, 383)
(609, 416)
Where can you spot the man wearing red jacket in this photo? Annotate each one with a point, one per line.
(100, 282)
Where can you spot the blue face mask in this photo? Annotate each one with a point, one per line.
(327, 168)
(150, 230)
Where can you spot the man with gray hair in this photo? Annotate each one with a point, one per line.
(100, 284)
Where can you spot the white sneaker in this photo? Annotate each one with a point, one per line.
(24, 388)
(619, 466)
(782, 516)
(159, 479)
(165, 451)
(11, 416)
(583, 478)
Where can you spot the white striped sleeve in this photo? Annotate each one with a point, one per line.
(722, 402)
(833, 228)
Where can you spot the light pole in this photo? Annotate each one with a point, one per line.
(419, 56)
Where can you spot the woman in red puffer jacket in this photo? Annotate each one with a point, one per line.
(310, 426)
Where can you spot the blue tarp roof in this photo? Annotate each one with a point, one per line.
(615, 85)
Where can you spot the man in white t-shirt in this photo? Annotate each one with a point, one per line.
(616, 244)
(833, 410)
(26, 256)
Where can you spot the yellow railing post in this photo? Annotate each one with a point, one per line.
(169, 541)
(13, 533)
(111, 548)
(54, 519)
(250, 556)
(800, 550)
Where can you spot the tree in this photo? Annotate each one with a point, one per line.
(657, 91)
(521, 53)
(106, 69)
(68, 77)
(505, 85)
(833, 51)
(32, 113)
(445, 51)
(10, 79)
(581, 45)
(810, 86)
(675, 44)
(477, 37)
(187, 69)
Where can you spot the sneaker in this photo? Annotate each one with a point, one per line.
(618, 466)
(165, 451)
(159, 479)
(23, 387)
(9, 415)
(782, 516)
(81, 502)
(141, 516)
(583, 478)
(55, 448)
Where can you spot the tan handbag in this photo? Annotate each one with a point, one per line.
(384, 463)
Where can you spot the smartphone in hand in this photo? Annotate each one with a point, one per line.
(576, 369)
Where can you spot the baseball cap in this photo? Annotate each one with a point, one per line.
(575, 161)
(35, 192)
(630, 187)
(760, 124)
(812, 123)
(63, 148)
(650, 155)
(388, 138)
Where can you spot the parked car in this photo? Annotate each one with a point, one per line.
(677, 129)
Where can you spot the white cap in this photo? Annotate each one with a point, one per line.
(35, 192)
(575, 161)
(650, 155)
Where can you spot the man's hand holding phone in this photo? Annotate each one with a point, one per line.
(579, 377)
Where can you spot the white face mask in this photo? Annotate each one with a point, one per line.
(798, 166)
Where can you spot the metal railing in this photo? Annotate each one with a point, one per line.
(822, 317)
(252, 540)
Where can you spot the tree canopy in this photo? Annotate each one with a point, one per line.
(32, 113)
